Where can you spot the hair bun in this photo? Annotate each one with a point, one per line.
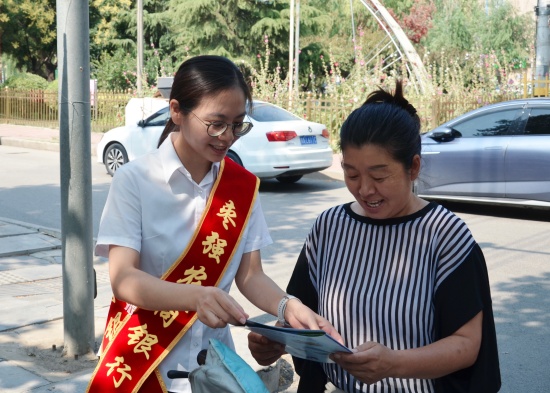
(397, 98)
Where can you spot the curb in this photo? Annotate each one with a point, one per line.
(34, 144)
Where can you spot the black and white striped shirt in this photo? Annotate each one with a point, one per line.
(376, 280)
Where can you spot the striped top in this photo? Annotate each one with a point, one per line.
(376, 280)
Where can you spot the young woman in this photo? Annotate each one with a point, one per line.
(402, 280)
(179, 226)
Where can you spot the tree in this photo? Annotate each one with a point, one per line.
(453, 31)
(114, 36)
(219, 28)
(109, 20)
(28, 34)
(418, 21)
(461, 27)
(505, 32)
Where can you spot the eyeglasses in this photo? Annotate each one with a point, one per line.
(216, 128)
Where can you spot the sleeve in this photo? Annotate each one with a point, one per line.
(121, 218)
(312, 376)
(461, 296)
(257, 235)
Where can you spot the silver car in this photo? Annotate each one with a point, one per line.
(497, 154)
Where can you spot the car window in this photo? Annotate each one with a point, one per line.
(538, 122)
(487, 124)
(158, 119)
(266, 112)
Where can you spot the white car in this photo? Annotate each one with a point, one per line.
(281, 145)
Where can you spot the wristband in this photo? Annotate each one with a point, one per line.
(282, 308)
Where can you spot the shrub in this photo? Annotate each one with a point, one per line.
(26, 81)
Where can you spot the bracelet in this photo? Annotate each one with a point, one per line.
(282, 308)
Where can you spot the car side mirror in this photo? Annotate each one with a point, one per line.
(445, 135)
(141, 123)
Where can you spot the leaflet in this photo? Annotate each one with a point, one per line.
(306, 344)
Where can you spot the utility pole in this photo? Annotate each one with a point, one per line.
(73, 54)
(297, 50)
(140, 48)
(291, 55)
(542, 46)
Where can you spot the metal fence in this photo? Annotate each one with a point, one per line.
(40, 107)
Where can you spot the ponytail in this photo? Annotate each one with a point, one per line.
(168, 128)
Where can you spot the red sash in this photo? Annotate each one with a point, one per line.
(137, 340)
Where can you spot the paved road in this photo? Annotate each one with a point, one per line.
(515, 243)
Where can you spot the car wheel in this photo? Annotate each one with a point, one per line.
(234, 157)
(115, 157)
(289, 179)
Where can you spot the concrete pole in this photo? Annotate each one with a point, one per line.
(542, 45)
(140, 48)
(73, 55)
(297, 50)
(291, 55)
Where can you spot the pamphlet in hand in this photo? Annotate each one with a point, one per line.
(306, 344)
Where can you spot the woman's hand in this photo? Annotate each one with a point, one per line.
(300, 316)
(264, 351)
(370, 362)
(215, 308)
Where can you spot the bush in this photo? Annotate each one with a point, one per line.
(26, 81)
(53, 86)
(115, 72)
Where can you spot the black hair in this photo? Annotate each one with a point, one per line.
(386, 120)
(200, 77)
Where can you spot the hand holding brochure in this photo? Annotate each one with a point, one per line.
(306, 344)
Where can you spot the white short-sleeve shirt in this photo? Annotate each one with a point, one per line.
(154, 207)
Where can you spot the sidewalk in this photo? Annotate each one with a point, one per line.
(31, 303)
(36, 137)
(31, 327)
(31, 298)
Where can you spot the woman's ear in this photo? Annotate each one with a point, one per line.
(415, 167)
(175, 112)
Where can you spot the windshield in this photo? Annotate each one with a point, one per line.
(267, 112)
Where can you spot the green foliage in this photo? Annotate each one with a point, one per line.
(118, 71)
(53, 86)
(28, 33)
(26, 81)
(506, 33)
(461, 28)
(452, 32)
(214, 27)
(109, 21)
(115, 71)
(399, 6)
(467, 50)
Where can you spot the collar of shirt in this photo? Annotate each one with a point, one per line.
(171, 163)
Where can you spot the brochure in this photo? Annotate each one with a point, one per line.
(307, 344)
